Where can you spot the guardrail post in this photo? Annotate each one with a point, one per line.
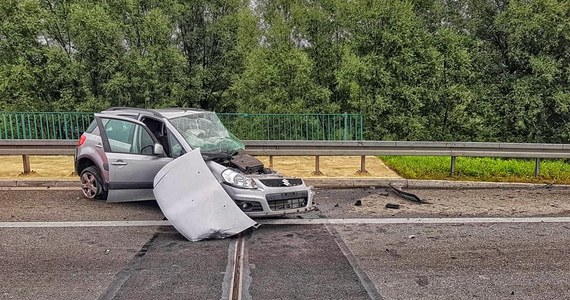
(362, 170)
(271, 161)
(537, 168)
(317, 171)
(26, 163)
(452, 173)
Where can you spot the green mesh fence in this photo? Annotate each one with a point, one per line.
(43, 125)
(333, 127)
(70, 125)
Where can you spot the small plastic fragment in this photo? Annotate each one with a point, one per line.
(392, 206)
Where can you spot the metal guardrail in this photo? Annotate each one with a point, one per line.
(325, 148)
(37, 147)
(377, 148)
(331, 148)
(70, 126)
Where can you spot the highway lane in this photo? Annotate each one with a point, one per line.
(69, 205)
(464, 261)
(357, 261)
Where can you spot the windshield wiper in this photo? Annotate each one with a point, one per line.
(215, 155)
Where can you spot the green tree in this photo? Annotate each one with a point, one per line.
(411, 82)
(538, 36)
(278, 72)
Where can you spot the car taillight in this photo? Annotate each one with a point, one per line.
(81, 140)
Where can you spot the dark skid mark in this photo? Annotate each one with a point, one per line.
(122, 276)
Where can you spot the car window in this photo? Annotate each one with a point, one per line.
(91, 127)
(176, 148)
(128, 137)
(207, 132)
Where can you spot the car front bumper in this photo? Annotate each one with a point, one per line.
(272, 201)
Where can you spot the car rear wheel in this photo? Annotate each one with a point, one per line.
(91, 183)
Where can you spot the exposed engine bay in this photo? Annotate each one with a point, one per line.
(241, 161)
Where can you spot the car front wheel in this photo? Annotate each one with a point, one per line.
(91, 183)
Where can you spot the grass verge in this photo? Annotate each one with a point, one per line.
(479, 169)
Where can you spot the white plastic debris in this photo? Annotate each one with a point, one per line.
(194, 201)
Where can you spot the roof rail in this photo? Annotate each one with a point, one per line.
(187, 108)
(153, 112)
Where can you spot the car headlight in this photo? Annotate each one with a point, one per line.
(238, 180)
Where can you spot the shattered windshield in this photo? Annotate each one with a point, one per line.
(206, 131)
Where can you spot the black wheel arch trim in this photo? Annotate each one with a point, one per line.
(130, 185)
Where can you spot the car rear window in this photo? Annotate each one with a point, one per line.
(91, 127)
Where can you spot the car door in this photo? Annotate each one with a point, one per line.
(132, 163)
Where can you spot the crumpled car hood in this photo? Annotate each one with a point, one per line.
(194, 201)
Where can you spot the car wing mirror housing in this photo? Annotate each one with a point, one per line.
(158, 150)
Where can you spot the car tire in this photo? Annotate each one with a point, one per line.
(92, 184)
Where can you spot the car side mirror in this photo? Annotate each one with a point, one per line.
(158, 150)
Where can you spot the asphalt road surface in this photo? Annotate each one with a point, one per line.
(327, 259)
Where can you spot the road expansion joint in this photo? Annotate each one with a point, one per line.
(365, 281)
(132, 267)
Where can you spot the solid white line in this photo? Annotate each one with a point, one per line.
(295, 222)
(415, 221)
(82, 224)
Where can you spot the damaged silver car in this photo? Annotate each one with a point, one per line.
(123, 150)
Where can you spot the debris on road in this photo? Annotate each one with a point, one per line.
(358, 203)
(392, 206)
(452, 203)
(406, 195)
(422, 280)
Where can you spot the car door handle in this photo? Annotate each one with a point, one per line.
(119, 163)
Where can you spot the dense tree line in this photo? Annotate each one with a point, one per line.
(472, 70)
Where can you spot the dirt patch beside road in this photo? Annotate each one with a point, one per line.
(297, 166)
(42, 166)
(330, 166)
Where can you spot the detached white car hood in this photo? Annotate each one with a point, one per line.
(194, 201)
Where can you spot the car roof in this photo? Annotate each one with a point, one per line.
(168, 113)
